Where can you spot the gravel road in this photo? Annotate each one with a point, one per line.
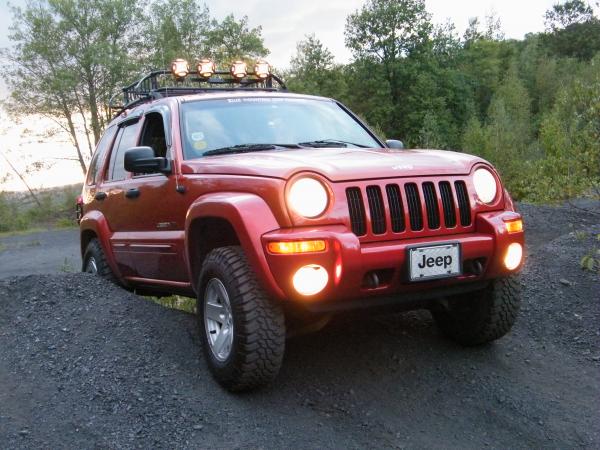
(85, 364)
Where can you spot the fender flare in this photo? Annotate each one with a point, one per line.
(250, 217)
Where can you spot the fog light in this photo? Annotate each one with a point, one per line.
(513, 256)
(310, 280)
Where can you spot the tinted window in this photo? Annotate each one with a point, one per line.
(125, 140)
(213, 124)
(97, 162)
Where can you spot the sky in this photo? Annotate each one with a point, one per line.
(283, 25)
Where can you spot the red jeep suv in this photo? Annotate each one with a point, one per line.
(276, 210)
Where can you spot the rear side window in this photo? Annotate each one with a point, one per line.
(126, 138)
(97, 162)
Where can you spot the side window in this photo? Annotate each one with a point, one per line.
(125, 140)
(93, 176)
(153, 134)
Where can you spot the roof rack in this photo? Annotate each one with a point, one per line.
(161, 83)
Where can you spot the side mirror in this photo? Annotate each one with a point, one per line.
(142, 160)
(394, 143)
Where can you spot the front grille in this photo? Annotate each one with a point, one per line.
(414, 206)
(463, 203)
(356, 206)
(410, 207)
(448, 203)
(376, 209)
(396, 208)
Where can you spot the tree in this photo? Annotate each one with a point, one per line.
(313, 71)
(571, 12)
(68, 57)
(572, 30)
(177, 29)
(232, 39)
(387, 31)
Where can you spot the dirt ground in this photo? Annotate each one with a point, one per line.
(85, 364)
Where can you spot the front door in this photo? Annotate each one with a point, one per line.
(155, 218)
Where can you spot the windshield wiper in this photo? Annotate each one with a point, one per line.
(246, 148)
(331, 143)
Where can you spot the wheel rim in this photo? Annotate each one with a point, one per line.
(91, 266)
(218, 320)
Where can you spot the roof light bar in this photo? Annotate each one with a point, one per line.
(180, 68)
(238, 70)
(262, 69)
(206, 68)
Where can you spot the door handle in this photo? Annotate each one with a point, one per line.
(132, 193)
(100, 195)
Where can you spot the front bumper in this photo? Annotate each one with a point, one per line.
(351, 264)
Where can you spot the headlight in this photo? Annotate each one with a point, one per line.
(308, 197)
(485, 185)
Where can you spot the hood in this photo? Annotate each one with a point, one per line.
(336, 164)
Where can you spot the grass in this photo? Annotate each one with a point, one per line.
(178, 302)
(67, 267)
(6, 234)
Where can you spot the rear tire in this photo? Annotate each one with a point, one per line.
(241, 329)
(483, 316)
(94, 261)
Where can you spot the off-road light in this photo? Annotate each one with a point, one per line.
(180, 68)
(290, 247)
(514, 226)
(310, 279)
(205, 68)
(513, 256)
(238, 70)
(485, 185)
(308, 197)
(262, 70)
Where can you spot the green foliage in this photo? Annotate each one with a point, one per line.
(10, 217)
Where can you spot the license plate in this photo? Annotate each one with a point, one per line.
(434, 261)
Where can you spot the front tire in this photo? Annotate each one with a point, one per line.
(480, 317)
(241, 329)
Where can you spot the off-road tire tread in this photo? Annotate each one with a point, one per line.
(493, 313)
(259, 324)
(95, 249)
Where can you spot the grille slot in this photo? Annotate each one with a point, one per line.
(357, 211)
(463, 203)
(448, 204)
(376, 209)
(431, 203)
(414, 206)
(396, 209)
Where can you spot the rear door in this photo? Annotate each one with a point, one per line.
(111, 199)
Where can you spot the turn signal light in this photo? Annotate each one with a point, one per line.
(238, 70)
(180, 68)
(514, 226)
(206, 68)
(286, 248)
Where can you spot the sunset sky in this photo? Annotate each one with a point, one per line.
(283, 27)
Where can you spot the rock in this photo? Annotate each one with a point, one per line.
(565, 282)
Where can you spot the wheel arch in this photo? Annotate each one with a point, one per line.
(230, 218)
(94, 225)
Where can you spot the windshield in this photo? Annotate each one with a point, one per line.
(253, 124)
